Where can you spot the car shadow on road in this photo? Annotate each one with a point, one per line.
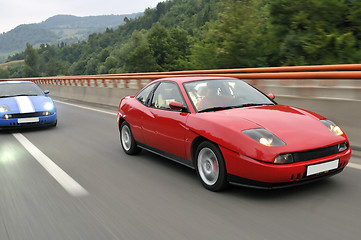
(25, 130)
(323, 185)
(189, 176)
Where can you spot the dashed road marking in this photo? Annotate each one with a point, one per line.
(354, 165)
(67, 182)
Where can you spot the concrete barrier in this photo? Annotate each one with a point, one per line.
(106, 96)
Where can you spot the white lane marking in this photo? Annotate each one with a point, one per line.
(88, 108)
(67, 182)
(354, 165)
(25, 105)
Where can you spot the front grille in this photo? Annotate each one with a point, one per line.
(27, 115)
(315, 153)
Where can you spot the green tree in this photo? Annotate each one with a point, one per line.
(91, 66)
(204, 53)
(141, 60)
(4, 73)
(316, 31)
(168, 47)
(238, 38)
(77, 68)
(110, 63)
(160, 45)
(31, 62)
(103, 55)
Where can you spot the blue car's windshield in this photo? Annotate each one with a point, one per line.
(19, 89)
(219, 94)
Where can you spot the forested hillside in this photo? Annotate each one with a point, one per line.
(207, 34)
(57, 29)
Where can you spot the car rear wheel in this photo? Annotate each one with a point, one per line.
(210, 166)
(127, 140)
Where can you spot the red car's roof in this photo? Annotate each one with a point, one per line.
(190, 79)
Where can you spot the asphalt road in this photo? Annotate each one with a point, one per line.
(74, 182)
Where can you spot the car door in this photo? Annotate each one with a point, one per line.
(164, 128)
(135, 111)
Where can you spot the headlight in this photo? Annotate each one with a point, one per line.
(49, 106)
(284, 158)
(264, 137)
(7, 116)
(342, 147)
(4, 108)
(332, 127)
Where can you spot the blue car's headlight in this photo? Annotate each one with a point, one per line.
(336, 130)
(49, 106)
(4, 108)
(264, 137)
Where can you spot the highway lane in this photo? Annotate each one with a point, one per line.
(149, 197)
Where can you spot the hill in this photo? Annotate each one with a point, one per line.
(60, 28)
(208, 34)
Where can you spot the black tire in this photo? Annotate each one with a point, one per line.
(127, 140)
(210, 166)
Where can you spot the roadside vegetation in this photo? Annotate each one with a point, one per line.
(209, 34)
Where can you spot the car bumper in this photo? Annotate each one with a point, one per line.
(40, 121)
(245, 171)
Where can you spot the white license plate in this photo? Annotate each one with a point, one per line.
(28, 120)
(322, 167)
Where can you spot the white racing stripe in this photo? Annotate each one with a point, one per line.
(25, 105)
(67, 182)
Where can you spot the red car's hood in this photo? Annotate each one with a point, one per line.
(299, 129)
(296, 127)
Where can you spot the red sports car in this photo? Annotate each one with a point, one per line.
(231, 132)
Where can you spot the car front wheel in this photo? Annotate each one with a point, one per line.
(127, 140)
(210, 166)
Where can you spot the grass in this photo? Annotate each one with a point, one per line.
(11, 64)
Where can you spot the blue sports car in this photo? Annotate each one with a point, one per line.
(23, 104)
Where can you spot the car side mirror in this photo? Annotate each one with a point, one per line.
(271, 96)
(46, 92)
(177, 106)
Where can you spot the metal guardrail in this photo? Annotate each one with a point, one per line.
(324, 73)
(350, 71)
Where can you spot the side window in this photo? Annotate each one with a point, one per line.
(143, 95)
(166, 93)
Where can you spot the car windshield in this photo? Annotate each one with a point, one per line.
(19, 89)
(220, 94)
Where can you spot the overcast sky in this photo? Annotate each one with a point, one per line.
(16, 12)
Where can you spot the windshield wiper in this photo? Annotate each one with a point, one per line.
(252, 104)
(20, 95)
(212, 109)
